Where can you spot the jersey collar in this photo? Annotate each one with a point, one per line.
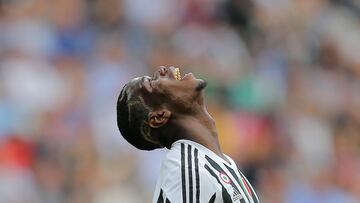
(206, 151)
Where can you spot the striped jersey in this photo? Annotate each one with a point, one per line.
(191, 173)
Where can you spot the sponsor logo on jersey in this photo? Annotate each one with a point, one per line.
(236, 196)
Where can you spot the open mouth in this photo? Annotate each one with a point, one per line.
(177, 74)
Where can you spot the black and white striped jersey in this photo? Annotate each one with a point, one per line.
(191, 173)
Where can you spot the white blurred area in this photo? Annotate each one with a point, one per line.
(283, 86)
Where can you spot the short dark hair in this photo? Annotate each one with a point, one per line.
(132, 115)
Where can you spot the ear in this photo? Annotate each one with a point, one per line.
(158, 118)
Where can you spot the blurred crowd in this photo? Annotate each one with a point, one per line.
(283, 77)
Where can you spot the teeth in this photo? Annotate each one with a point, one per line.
(177, 74)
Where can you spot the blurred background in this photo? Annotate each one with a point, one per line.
(284, 88)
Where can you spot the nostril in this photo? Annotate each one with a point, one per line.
(163, 71)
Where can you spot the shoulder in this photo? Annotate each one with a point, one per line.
(169, 183)
(183, 175)
(185, 159)
(171, 166)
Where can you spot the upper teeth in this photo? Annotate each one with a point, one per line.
(177, 74)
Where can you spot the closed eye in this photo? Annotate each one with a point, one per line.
(150, 81)
(147, 83)
(154, 78)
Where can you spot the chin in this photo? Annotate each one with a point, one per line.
(201, 85)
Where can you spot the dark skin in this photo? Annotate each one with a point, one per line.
(178, 107)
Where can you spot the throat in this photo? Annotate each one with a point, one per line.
(201, 130)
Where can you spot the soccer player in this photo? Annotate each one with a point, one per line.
(168, 110)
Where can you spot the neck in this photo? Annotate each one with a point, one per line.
(200, 129)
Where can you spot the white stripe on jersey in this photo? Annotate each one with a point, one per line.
(191, 173)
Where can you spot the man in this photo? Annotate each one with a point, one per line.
(168, 110)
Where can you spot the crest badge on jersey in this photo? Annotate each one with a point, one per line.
(225, 178)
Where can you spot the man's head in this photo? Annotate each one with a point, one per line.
(147, 105)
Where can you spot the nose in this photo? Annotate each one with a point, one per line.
(162, 70)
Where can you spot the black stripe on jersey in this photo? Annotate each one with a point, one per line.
(225, 195)
(183, 172)
(253, 194)
(212, 199)
(190, 175)
(238, 180)
(197, 177)
(220, 170)
(161, 198)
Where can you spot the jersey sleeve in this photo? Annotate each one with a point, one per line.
(171, 187)
(209, 189)
(174, 188)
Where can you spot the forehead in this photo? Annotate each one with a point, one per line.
(135, 86)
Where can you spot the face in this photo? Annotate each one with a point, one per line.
(169, 89)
